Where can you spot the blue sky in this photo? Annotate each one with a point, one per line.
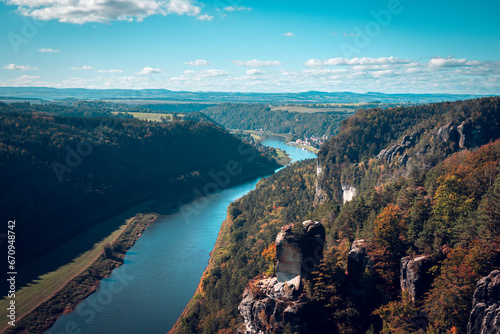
(390, 46)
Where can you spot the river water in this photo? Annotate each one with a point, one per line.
(162, 270)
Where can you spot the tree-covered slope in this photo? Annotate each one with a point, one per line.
(59, 175)
(260, 116)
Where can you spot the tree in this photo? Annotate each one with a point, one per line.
(399, 317)
(389, 229)
(269, 254)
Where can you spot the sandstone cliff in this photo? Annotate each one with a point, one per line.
(485, 315)
(271, 304)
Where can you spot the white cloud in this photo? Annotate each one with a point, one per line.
(255, 72)
(451, 62)
(289, 34)
(14, 67)
(84, 67)
(103, 11)
(149, 70)
(236, 8)
(355, 61)
(198, 62)
(48, 50)
(257, 63)
(202, 74)
(212, 73)
(205, 17)
(180, 7)
(110, 71)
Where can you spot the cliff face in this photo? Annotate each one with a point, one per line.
(271, 303)
(414, 276)
(320, 196)
(485, 315)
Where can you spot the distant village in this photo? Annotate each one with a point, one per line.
(312, 141)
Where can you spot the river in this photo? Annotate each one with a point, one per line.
(162, 270)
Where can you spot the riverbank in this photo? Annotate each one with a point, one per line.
(43, 316)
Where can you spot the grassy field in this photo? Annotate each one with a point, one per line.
(156, 117)
(31, 295)
(283, 159)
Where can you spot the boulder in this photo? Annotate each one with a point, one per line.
(485, 315)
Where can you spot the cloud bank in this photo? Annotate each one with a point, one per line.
(104, 11)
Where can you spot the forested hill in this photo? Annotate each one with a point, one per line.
(260, 116)
(425, 215)
(434, 131)
(59, 175)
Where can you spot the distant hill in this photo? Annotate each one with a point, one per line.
(47, 93)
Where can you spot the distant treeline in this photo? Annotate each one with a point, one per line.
(188, 111)
(59, 175)
(260, 116)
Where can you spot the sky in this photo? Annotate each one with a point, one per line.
(389, 46)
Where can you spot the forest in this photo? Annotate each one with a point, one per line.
(260, 116)
(427, 189)
(60, 175)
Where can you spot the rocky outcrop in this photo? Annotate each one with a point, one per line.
(390, 153)
(414, 275)
(320, 196)
(467, 134)
(298, 252)
(269, 303)
(348, 192)
(357, 260)
(485, 315)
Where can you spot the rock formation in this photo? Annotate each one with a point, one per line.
(270, 303)
(357, 260)
(485, 315)
(467, 135)
(349, 192)
(320, 196)
(393, 151)
(414, 276)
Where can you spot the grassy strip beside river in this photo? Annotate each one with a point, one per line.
(86, 282)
